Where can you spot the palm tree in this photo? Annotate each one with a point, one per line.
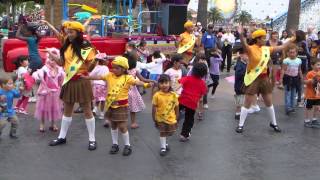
(293, 14)
(202, 12)
(215, 15)
(243, 18)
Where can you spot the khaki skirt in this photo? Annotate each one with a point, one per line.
(118, 114)
(166, 129)
(262, 85)
(77, 91)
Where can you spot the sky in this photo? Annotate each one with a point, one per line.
(259, 9)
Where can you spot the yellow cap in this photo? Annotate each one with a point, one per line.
(65, 24)
(188, 24)
(75, 25)
(258, 33)
(121, 61)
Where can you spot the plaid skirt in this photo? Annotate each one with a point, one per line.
(166, 129)
(118, 114)
(78, 91)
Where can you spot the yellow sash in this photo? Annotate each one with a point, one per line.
(169, 108)
(76, 64)
(254, 73)
(114, 92)
(186, 47)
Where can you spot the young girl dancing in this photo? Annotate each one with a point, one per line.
(190, 96)
(175, 72)
(136, 103)
(22, 64)
(165, 111)
(100, 86)
(49, 106)
(119, 83)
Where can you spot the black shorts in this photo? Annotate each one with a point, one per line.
(312, 102)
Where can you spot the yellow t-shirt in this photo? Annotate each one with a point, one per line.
(165, 104)
(254, 56)
(68, 56)
(185, 39)
(126, 82)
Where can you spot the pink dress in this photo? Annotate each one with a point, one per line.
(136, 103)
(99, 86)
(49, 106)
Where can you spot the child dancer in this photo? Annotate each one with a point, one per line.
(312, 95)
(155, 71)
(22, 64)
(190, 97)
(240, 71)
(8, 93)
(165, 111)
(291, 76)
(49, 106)
(136, 103)
(175, 72)
(214, 70)
(100, 86)
(119, 83)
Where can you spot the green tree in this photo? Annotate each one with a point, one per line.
(215, 15)
(293, 14)
(243, 17)
(202, 15)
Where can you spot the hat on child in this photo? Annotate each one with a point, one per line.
(121, 61)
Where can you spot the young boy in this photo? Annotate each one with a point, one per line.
(7, 113)
(312, 95)
(240, 71)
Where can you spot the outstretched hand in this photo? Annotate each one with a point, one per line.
(240, 29)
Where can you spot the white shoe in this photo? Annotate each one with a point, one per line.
(205, 106)
(251, 111)
(212, 97)
(256, 108)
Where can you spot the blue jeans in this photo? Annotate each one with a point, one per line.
(289, 97)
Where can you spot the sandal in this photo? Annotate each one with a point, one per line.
(53, 128)
(134, 126)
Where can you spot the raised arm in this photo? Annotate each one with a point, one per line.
(284, 46)
(55, 31)
(243, 40)
(19, 35)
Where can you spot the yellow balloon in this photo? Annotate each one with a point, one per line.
(226, 6)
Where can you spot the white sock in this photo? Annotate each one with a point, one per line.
(163, 142)
(238, 113)
(91, 126)
(126, 139)
(114, 136)
(65, 124)
(243, 115)
(272, 115)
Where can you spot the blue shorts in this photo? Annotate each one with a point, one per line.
(154, 77)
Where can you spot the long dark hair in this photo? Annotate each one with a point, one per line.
(77, 44)
(33, 30)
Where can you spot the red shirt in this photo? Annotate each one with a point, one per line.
(193, 88)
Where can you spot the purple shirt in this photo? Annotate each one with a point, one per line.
(215, 65)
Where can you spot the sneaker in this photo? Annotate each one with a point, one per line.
(127, 150)
(32, 100)
(256, 108)
(167, 147)
(163, 152)
(275, 127)
(92, 145)
(301, 105)
(114, 149)
(308, 124)
(183, 138)
(237, 117)
(23, 112)
(205, 106)
(251, 111)
(239, 129)
(315, 123)
(58, 141)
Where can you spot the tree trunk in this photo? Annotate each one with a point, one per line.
(293, 14)
(202, 12)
